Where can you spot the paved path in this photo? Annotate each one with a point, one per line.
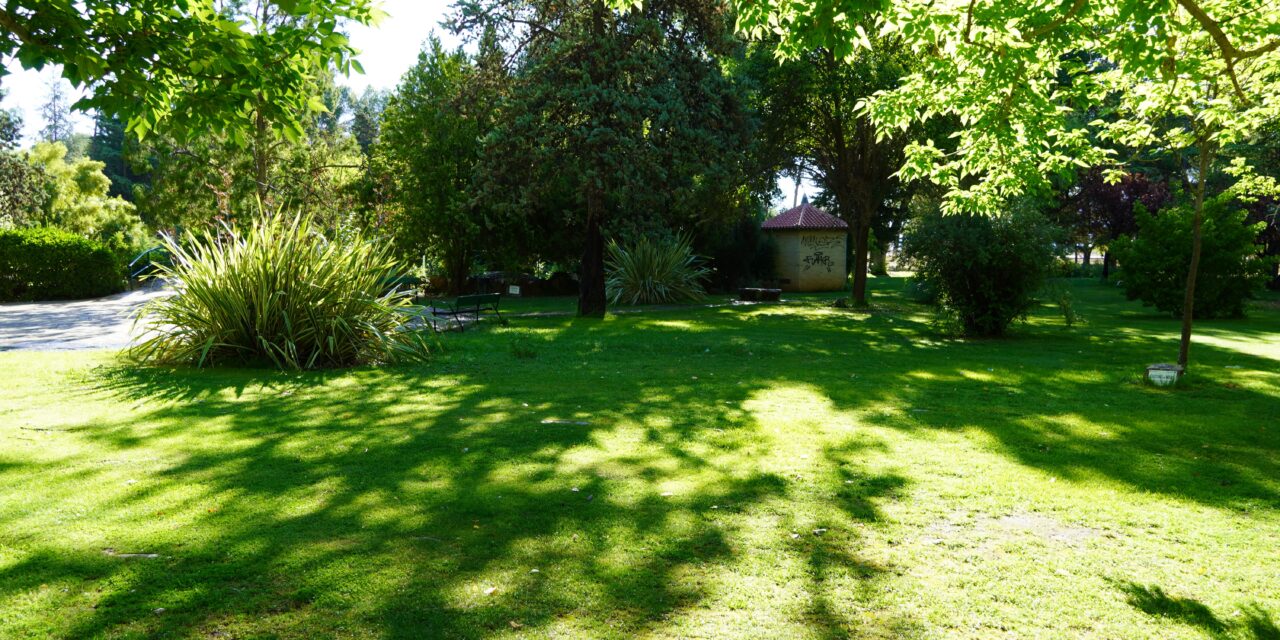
(103, 323)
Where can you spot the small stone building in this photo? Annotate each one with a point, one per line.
(811, 248)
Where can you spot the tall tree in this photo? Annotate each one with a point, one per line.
(820, 98)
(56, 113)
(1101, 212)
(620, 107)
(432, 132)
(1190, 76)
(23, 189)
(366, 117)
(116, 151)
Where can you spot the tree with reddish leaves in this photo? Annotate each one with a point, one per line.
(1100, 212)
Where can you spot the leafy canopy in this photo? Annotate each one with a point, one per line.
(1178, 75)
(191, 65)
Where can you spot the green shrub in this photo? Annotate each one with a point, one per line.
(654, 271)
(1154, 263)
(279, 293)
(1060, 294)
(983, 270)
(40, 263)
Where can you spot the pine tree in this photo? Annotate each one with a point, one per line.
(56, 112)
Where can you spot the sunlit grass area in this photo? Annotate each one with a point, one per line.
(769, 471)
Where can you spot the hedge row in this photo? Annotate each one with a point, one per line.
(50, 264)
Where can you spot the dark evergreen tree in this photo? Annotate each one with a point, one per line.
(115, 150)
(628, 114)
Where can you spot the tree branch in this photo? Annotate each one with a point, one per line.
(1076, 7)
(1230, 54)
(1229, 50)
(10, 23)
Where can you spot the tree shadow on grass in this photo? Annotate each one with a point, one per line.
(417, 502)
(1256, 623)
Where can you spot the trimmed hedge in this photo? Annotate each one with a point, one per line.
(50, 264)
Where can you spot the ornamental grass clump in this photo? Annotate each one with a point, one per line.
(280, 293)
(654, 271)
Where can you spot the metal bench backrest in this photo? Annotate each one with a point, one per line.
(478, 300)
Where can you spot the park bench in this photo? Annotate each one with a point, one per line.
(752, 294)
(474, 305)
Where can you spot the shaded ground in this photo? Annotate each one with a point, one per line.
(761, 472)
(101, 323)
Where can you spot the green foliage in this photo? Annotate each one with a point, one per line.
(10, 126)
(189, 67)
(366, 117)
(1059, 294)
(432, 133)
(649, 271)
(1187, 75)
(22, 189)
(616, 122)
(195, 181)
(56, 113)
(1154, 264)
(78, 201)
(118, 153)
(984, 270)
(51, 264)
(279, 293)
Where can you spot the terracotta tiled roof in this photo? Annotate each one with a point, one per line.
(805, 216)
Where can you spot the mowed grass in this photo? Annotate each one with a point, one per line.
(789, 471)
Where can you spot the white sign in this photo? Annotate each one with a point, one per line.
(513, 290)
(1162, 377)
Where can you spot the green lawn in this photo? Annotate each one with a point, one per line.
(790, 471)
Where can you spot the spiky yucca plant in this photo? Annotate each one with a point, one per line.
(654, 271)
(278, 293)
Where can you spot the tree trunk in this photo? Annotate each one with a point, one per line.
(1189, 301)
(1107, 260)
(1088, 257)
(591, 291)
(861, 233)
(457, 268)
(261, 158)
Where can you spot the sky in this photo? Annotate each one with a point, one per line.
(386, 52)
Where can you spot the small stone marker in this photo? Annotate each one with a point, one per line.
(1164, 375)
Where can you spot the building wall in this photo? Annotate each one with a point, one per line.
(811, 260)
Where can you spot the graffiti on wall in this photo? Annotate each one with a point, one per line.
(818, 259)
(819, 250)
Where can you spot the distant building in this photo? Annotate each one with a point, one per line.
(811, 248)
